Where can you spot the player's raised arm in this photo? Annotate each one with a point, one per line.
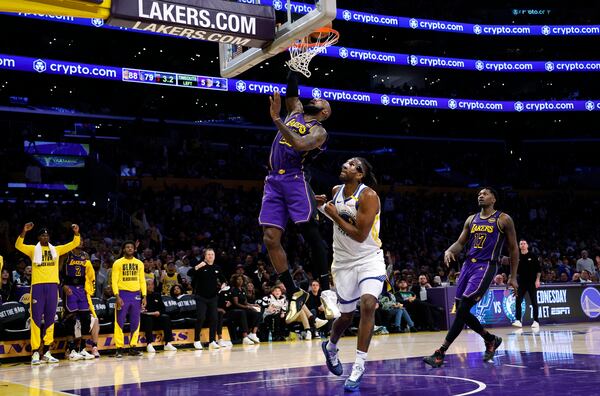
(368, 207)
(454, 249)
(314, 139)
(292, 93)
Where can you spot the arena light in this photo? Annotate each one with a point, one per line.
(140, 76)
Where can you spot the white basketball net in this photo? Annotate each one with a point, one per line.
(303, 50)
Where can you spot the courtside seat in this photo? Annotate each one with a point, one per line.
(172, 309)
(14, 321)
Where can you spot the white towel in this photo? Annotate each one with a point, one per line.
(37, 253)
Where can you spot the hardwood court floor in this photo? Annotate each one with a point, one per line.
(560, 359)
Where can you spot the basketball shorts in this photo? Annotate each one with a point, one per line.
(353, 280)
(285, 197)
(475, 279)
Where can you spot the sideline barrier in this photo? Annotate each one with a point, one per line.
(558, 303)
(51, 66)
(20, 348)
(357, 54)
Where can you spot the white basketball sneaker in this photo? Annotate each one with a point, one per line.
(517, 323)
(86, 355)
(535, 325)
(330, 303)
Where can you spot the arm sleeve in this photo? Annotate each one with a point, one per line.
(114, 276)
(90, 278)
(62, 249)
(142, 279)
(26, 249)
(292, 90)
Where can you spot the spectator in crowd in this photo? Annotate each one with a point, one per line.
(585, 277)
(563, 266)
(563, 277)
(498, 280)
(274, 310)
(176, 292)
(154, 316)
(388, 303)
(261, 274)
(585, 263)
(417, 309)
(149, 270)
(101, 277)
(19, 270)
(169, 278)
(6, 286)
(313, 303)
(248, 315)
(576, 277)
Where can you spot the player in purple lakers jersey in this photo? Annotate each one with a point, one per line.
(77, 274)
(484, 234)
(287, 195)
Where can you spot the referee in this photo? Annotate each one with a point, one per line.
(529, 281)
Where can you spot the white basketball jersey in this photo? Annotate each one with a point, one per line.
(346, 249)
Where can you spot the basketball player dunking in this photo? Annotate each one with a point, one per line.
(485, 233)
(287, 195)
(358, 265)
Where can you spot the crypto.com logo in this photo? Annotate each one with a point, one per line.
(413, 23)
(477, 29)
(479, 65)
(519, 106)
(347, 15)
(549, 66)
(240, 86)
(343, 53)
(589, 105)
(277, 5)
(39, 66)
(452, 104)
(385, 100)
(316, 93)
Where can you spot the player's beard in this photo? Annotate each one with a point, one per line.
(312, 109)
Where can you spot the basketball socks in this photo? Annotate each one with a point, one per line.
(332, 351)
(290, 286)
(361, 358)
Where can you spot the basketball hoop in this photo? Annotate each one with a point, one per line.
(303, 50)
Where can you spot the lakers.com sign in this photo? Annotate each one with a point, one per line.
(247, 25)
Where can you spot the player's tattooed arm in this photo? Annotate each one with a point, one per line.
(314, 139)
(367, 211)
(454, 250)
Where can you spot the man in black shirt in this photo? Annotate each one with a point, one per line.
(205, 283)
(155, 315)
(529, 281)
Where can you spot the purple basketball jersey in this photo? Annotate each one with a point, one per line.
(283, 156)
(485, 239)
(75, 270)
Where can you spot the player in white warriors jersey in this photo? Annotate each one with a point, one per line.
(358, 266)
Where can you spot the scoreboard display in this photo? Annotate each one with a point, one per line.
(174, 79)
